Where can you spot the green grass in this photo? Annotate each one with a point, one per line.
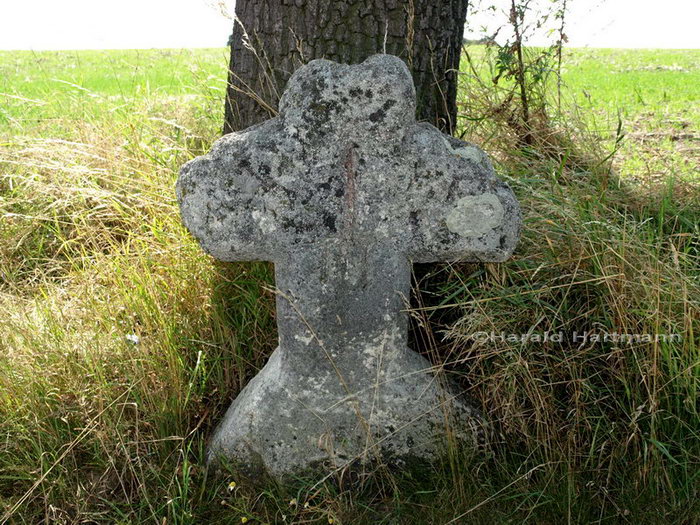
(96, 428)
(632, 80)
(655, 93)
(63, 84)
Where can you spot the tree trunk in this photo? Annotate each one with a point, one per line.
(271, 38)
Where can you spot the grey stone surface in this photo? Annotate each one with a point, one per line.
(342, 191)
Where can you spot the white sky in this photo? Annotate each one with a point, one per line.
(109, 24)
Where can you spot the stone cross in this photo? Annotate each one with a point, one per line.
(343, 191)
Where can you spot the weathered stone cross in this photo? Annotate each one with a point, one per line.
(342, 191)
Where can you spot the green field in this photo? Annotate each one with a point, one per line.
(121, 343)
(657, 96)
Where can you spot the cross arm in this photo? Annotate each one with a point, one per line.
(461, 211)
(230, 198)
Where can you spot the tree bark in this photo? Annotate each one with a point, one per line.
(272, 38)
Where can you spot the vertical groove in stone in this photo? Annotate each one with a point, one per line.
(287, 33)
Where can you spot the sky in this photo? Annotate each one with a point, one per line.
(124, 24)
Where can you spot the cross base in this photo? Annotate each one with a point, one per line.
(393, 410)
